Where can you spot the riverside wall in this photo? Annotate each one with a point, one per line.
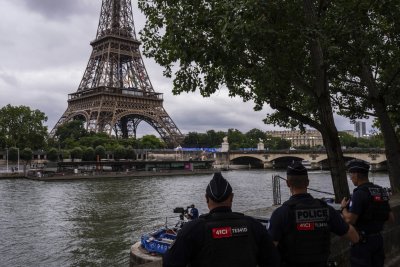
(340, 248)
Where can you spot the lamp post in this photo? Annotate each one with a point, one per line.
(7, 157)
(18, 158)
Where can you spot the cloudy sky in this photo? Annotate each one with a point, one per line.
(44, 49)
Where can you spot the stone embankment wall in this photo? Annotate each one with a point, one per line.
(340, 248)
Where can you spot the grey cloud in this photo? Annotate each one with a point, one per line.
(6, 43)
(60, 9)
(8, 79)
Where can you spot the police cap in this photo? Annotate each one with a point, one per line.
(218, 189)
(357, 166)
(296, 168)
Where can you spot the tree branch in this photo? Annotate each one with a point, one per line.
(298, 116)
(392, 80)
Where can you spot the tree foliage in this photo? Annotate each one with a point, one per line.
(70, 132)
(120, 153)
(26, 155)
(100, 151)
(76, 153)
(283, 53)
(365, 69)
(151, 142)
(13, 154)
(217, 43)
(53, 154)
(22, 127)
(88, 154)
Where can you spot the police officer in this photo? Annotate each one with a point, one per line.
(368, 210)
(302, 226)
(222, 238)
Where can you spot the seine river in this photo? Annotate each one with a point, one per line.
(95, 222)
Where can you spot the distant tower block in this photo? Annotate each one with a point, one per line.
(360, 128)
(115, 93)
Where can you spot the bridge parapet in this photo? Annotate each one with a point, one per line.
(376, 158)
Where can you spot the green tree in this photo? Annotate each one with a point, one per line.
(53, 154)
(88, 154)
(26, 156)
(269, 142)
(22, 127)
(235, 139)
(364, 48)
(282, 63)
(281, 143)
(65, 154)
(125, 142)
(100, 151)
(151, 142)
(13, 154)
(70, 132)
(191, 140)
(215, 138)
(347, 140)
(254, 136)
(376, 141)
(130, 153)
(76, 153)
(119, 153)
(203, 141)
(70, 143)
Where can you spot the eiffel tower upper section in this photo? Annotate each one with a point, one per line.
(115, 93)
(116, 60)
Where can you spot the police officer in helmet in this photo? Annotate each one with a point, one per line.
(222, 238)
(302, 226)
(368, 210)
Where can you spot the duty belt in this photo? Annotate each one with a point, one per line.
(364, 236)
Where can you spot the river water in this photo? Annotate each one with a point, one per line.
(95, 222)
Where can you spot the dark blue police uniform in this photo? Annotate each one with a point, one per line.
(370, 203)
(302, 227)
(222, 238)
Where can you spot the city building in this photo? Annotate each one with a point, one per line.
(360, 128)
(311, 138)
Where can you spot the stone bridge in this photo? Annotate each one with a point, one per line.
(316, 159)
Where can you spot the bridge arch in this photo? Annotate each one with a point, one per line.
(252, 162)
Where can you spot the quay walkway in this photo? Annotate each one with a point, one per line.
(339, 247)
(11, 175)
(106, 175)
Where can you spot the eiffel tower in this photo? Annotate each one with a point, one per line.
(115, 93)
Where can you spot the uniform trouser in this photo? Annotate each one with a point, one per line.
(368, 254)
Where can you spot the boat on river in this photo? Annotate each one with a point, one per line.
(159, 241)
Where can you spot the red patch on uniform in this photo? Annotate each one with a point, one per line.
(222, 232)
(307, 226)
(377, 198)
